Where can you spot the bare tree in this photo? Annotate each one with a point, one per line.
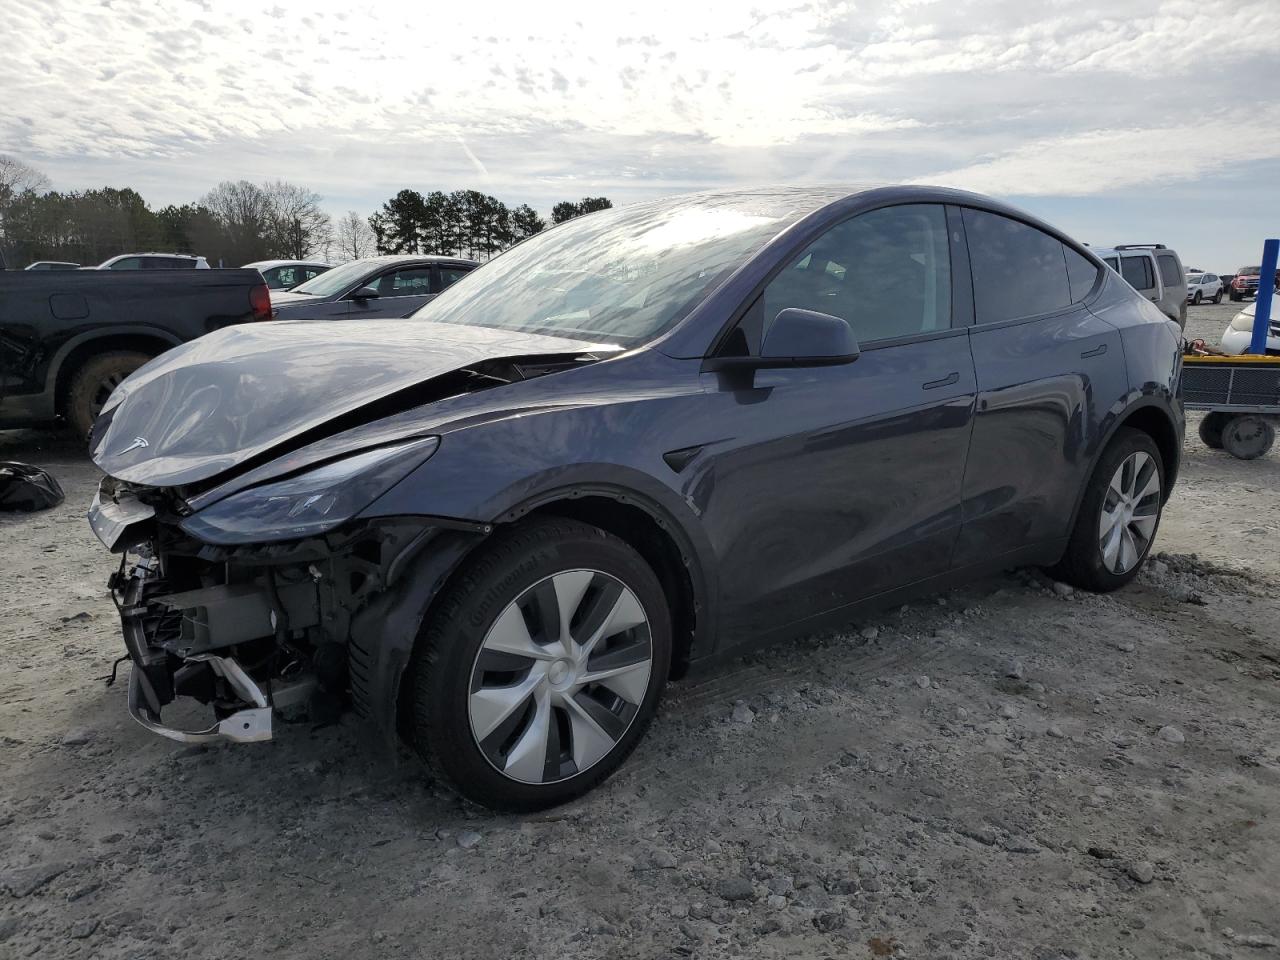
(16, 179)
(299, 228)
(16, 176)
(355, 239)
(244, 212)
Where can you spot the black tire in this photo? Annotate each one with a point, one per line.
(1197, 298)
(1082, 564)
(1235, 297)
(1217, 297)
(450, 643)
(1211, 429)
(93, 383)
(1248, 437)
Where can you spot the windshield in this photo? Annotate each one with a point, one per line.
(335, 280)
(626, 275)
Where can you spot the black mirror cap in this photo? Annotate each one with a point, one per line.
(798, 338)
(365, 293)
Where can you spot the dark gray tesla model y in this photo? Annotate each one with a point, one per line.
(638, 441)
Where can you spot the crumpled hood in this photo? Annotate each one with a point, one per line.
(211, 404)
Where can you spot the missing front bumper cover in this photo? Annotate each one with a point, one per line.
(248, 725)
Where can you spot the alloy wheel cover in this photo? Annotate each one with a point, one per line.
(560, 676)
(1130, 512)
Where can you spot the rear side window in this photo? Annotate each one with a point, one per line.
(1170, 272)
(1081, 273)
(1018, 271)
(1137, 271)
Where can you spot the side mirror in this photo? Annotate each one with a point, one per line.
(366, 293)
(798, 338)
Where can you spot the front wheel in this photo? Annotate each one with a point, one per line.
(541, 667)
(1197, 298)
(1118, 516)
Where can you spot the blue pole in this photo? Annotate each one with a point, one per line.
(1266, 291)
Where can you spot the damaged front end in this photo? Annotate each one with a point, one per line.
(254, 630)
(242, 471)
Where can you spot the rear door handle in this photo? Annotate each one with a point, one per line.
(948, 380)
(1097, 351)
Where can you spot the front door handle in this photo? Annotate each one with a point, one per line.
(948, 380)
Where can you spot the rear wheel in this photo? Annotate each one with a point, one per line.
(539, 671)
(1248, 437)
(1211, 429)
(93, 383)
(1217, 297)
(1118, 517)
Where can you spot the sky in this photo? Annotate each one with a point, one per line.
(1124, 121)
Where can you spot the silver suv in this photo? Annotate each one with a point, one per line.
(1154, 271)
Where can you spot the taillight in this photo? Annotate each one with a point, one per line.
(260, 302)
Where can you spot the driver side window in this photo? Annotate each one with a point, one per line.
(887, 272)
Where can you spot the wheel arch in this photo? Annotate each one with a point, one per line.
(644, 527)
(1152, 418)
(384, 635)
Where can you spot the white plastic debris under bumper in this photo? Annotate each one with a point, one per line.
(243, 726)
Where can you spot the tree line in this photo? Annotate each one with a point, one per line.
(241, 222)
(464, 223)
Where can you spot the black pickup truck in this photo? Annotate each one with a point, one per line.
(68, 338)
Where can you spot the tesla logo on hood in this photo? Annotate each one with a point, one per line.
(138, 444)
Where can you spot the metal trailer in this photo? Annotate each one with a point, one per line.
(1241, 397)
(1240, 394)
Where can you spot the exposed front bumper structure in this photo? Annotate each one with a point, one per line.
(251, 630)
(244, 726)
(158, 635)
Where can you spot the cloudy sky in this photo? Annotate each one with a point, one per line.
(1130, 120)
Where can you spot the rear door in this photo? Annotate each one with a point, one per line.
(1048, 371)
(832, 484)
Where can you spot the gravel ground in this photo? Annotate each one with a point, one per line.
(1010, 770)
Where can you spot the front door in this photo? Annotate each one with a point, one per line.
(400, 292)
(833, 484)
